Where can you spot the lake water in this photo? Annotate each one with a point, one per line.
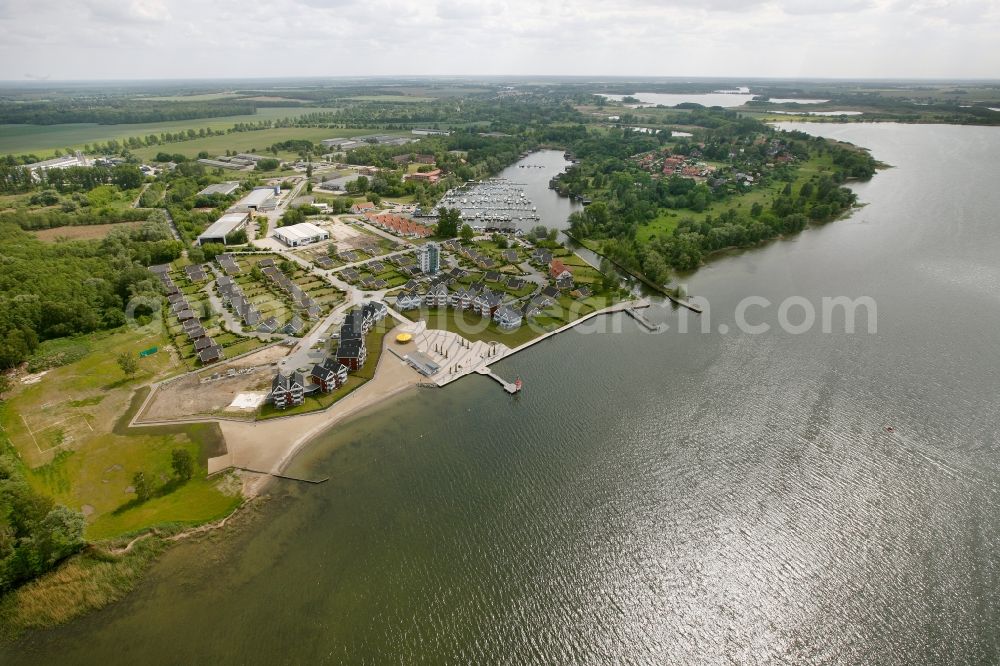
(654, 499)
(818, 113)
(535, 172)
(724, 99)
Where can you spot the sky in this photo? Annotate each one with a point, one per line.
(152, 39)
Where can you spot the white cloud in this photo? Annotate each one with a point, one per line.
(240, 38)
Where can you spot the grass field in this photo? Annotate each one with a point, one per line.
(43, 139)
(80, 231)
(67, 428)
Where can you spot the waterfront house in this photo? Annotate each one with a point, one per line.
(581, 292)
(492, 276)
(510, 256)
(352, 353)
(530, 309)
(564, 282)
(375, 311)
(557, 269)
(330, 374)
(487, 302)
(437, 296)
(288, 390)
(551, 293)
(362, 207)
(353, 326)
(408, 300)
(508, 318)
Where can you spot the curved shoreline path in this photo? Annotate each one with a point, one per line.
(270, 445)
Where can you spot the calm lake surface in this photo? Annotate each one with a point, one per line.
(654, 499)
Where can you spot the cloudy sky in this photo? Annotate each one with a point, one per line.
(108, 39)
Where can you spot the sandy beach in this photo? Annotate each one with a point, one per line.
(269, 446)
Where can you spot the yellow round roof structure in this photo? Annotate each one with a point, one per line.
(403, 337)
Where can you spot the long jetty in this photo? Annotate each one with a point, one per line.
(281, 476)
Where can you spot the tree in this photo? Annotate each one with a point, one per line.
(129, 364)
(142, 489)
(180, 460)
(267, 164)
(467, 233)
(448, 221)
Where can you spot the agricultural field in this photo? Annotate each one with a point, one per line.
(257, 140)
(43, 139)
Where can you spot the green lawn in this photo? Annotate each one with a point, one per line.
(70, 431)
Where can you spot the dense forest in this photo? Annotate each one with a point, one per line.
(35, 533)
(54, 290)
(118, 111)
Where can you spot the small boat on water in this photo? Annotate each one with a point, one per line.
(890, 429)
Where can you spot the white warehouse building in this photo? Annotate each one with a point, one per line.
(260, 198)
(222, 227)
(303, 233)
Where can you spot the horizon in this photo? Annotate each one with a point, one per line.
(503, 77)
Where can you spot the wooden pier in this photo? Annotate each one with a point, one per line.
(685, 304)
(641, 319)
(510, 387)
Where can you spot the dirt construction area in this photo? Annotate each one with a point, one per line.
(225, 389)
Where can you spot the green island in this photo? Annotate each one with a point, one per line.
(107, 212)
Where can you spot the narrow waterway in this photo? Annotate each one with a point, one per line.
(697, 498)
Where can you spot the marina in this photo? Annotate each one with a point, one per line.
(492, 205)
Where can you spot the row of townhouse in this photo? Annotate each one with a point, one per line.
(399, 224)
(233, 296)
(301, 299)
(204, 346)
